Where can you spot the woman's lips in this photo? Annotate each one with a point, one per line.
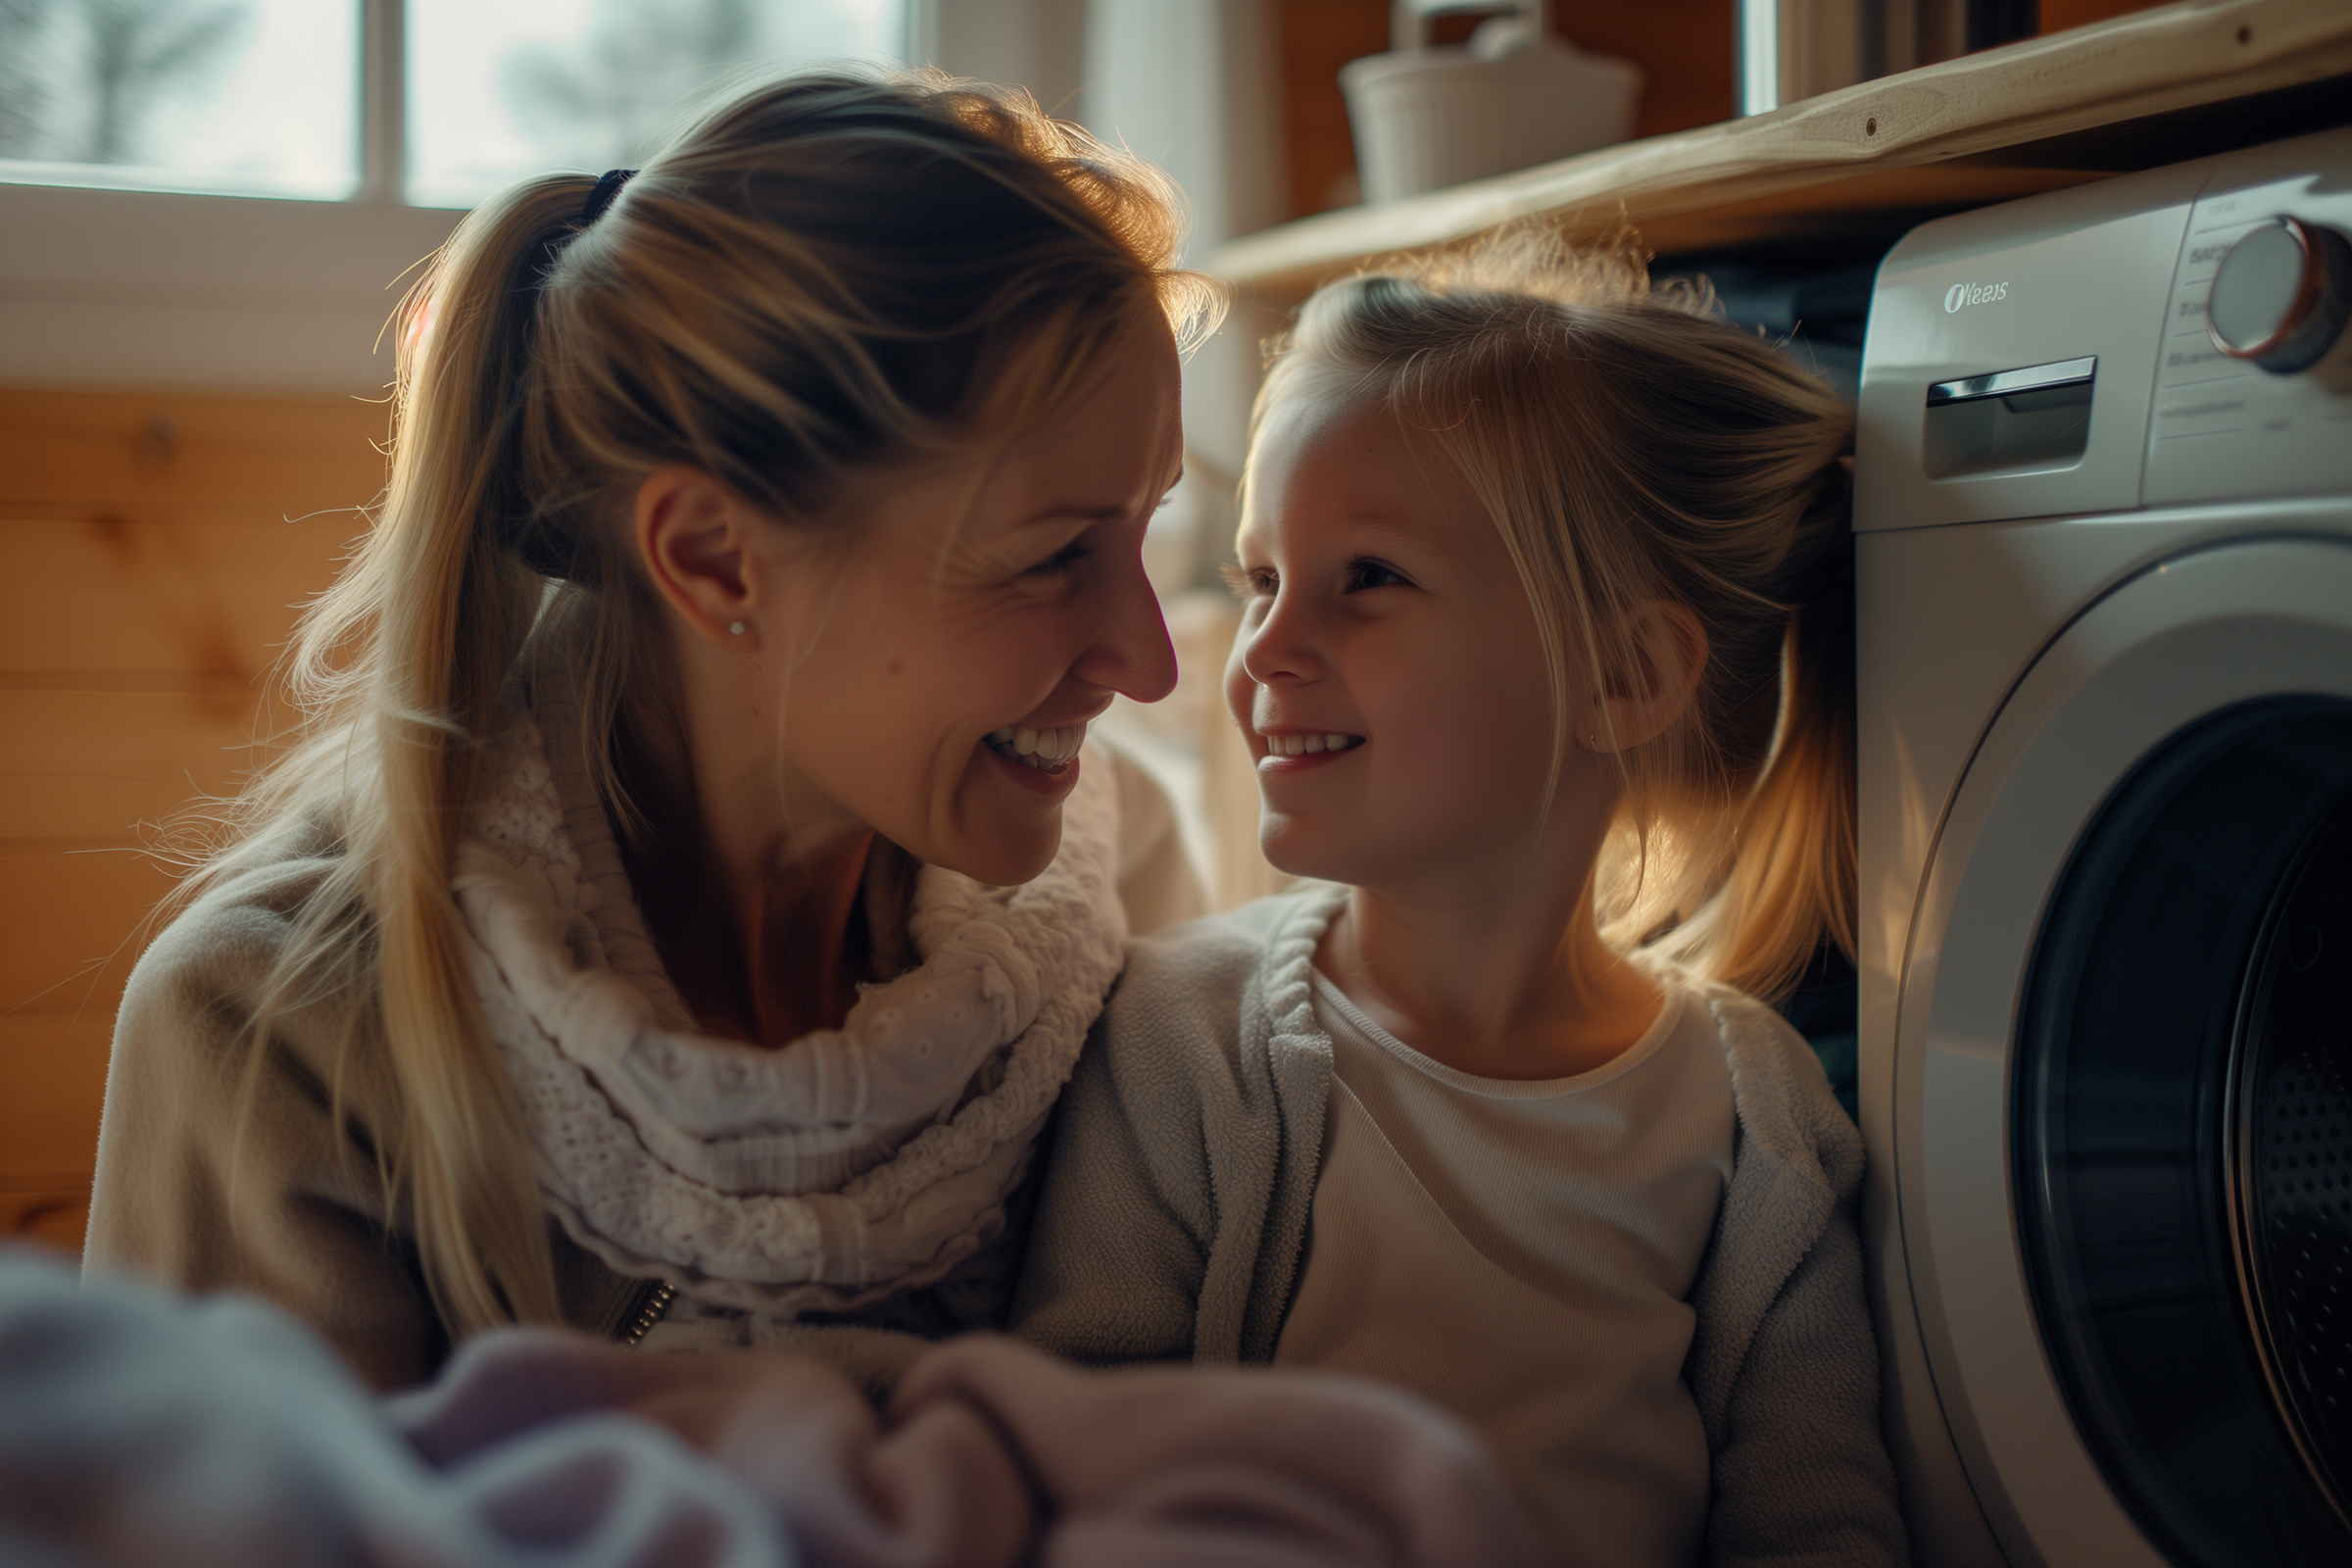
(1043, 781)
(1045, 749)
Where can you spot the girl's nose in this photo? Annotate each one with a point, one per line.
(1278, 645)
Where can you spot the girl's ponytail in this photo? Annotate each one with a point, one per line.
(1792, 878)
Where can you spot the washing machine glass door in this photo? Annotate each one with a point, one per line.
(2183, 1135)
(2125, 1077)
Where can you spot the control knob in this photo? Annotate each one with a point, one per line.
(2280, 295)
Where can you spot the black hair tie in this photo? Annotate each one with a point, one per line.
(608, 186)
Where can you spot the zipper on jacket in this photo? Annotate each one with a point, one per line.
(646, 1311)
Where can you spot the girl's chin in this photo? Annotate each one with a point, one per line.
(1293, 847)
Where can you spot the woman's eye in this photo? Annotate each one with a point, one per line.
(1248, 582)
(1363, 574)
(1059, 561)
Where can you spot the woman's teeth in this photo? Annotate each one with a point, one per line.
(1047, 751)
(1309, 745)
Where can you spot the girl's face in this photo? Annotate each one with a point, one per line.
(996, 593)
(1382, 608)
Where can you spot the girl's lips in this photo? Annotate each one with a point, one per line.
(1276, 764)
(1036, 780)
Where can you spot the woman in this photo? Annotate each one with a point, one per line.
(687, 895)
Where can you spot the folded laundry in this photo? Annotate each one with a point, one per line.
(136, 1429)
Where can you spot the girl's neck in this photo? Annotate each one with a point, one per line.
(1514, 985)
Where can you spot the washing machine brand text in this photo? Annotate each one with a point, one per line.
(1960, 294)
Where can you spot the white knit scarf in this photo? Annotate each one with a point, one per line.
(843, 1168)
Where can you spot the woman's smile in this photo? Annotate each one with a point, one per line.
(1047, 751)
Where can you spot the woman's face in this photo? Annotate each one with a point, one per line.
(1381, 608)
(994, 596)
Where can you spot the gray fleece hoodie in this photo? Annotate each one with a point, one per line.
(1173, 1222)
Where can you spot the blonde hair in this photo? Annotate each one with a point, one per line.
(819, 280)
(1633, 448)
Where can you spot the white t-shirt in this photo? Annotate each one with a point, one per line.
(1519, 1253)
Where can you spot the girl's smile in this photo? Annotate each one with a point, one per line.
(1296, 752)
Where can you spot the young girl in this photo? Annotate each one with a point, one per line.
(664, 922)
(1546, 663)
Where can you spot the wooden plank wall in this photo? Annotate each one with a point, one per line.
(155, 552)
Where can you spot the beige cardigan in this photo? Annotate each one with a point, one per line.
(300, 1219)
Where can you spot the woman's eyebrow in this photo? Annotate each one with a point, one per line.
(1058, 511)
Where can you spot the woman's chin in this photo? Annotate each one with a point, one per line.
(1001, 870)
(1000, 853)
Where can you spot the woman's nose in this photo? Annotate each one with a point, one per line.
(1132, 653)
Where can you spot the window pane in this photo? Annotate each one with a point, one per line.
(499, 90)
(252, 96)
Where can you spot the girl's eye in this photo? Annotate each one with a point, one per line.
(1248, 582)
(1363, 574)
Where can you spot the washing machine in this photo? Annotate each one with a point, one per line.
(2103, 549)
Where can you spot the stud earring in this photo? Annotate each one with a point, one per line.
(735, 630)
(1593, 739)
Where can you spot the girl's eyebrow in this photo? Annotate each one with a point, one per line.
(1387, 524)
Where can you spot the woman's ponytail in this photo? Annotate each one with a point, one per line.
(441, 600)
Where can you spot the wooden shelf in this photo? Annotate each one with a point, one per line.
(2006, 122)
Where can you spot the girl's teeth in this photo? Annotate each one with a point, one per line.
(1309, 745)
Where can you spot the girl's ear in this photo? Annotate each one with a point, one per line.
(1665, 651)
(695, 538)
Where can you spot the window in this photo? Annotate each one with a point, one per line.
(457, 97)
(225, 195)
(499, 89)
(222, 95)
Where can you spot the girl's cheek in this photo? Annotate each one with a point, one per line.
(1239, 691)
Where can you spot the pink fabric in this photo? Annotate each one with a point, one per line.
(144, 1431)
(994, 1453)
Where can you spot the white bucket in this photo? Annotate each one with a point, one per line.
(1425, 119)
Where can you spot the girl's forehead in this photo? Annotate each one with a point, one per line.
(1314, 401)
(1348, 459)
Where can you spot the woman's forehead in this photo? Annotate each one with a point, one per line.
(1119, 445)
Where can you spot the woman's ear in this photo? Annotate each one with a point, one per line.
(1665, 651)
(696, 539)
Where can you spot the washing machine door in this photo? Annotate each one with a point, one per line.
(2124, 1076)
